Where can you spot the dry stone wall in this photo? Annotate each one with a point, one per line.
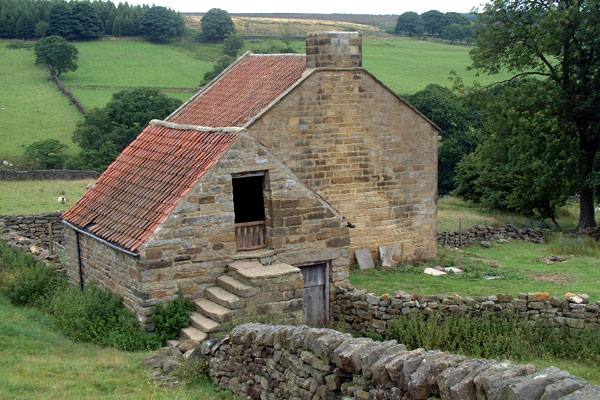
(34, 226)
(47, 175)
(355, 310)
(286, 362)
(477, 234)
(364, 150)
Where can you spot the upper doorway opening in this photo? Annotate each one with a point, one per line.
(249, 209)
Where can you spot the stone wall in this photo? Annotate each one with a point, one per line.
(355, 310)
(477, 234)
(196, 242)
(34, 226)
(364, 150)
(108, 269)
(334, 49)
(285, 362)
(47, 175)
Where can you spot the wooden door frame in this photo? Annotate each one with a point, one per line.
(327, 285)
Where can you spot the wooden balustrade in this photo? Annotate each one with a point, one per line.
(251, 235)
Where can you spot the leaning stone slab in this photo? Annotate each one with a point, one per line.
(490, 382)
(457, 382)
(563, 387)
(364, 259)
(389, 256)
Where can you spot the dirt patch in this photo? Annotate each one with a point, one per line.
(552, 278)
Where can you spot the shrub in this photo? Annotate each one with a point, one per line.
(25, 281)
(94, 316)
(193, 370)
(169, 319)
(46, 154)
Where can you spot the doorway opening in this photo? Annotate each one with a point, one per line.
(249, 209)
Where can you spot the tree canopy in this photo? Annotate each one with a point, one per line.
(410, 23)
(458, 132)
(57, 54)
(216, 25)
(559, 42)
(160, 24)
(105, 132)
(46, 154)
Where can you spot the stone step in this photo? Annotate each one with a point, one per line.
(253, 254)
(236, 287)
(265, 271)
(213, 310)
(172, 343)
(192, 333)
(237, 265)
(204, 324)
(224, 298)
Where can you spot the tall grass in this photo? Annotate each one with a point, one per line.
(580, 245)
(493, 336)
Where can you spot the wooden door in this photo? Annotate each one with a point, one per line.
(315, 312)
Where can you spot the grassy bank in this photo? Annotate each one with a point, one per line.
(30, 197)
(31, 107)
(38, 362)
(515, 264)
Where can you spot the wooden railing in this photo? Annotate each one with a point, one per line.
(250, 235)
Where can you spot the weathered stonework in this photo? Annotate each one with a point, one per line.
(364, 150)
(286, 362)
(35, 226)
(194, 245)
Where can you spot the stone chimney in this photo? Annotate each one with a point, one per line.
(334, 49)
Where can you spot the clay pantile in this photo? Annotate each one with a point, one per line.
(243, 91)
(145, 183)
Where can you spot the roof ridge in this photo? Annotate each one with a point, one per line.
(173, 125)
(276, 54)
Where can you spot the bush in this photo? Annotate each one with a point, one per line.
(496, 337)
(169, 319)
(46, 154)
(193, 370)
(25, 281)
(97, 317)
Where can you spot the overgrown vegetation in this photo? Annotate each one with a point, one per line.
(498, 337)
(171, 317)
(90, 315)
(570, 244)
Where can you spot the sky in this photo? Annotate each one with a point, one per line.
(318, 6)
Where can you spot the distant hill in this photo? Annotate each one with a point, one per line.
(364, 19)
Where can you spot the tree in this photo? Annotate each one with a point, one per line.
(216, 25)
(60, 20)
(522, 165)
(85, 21)
(454, 32)
(559, 42)
(433, 22)
(25, 25)
(41, 28)
(105, 132)
(232, 45)
(46, 154)
(458, 132)
(57, 54)
(409, 22)
(159, 24)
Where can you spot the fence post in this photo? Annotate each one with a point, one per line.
(51, 238)
(460, 232)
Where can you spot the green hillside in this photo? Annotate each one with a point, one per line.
(33, 109)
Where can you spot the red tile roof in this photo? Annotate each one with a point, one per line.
(243, 91)
(145, 183)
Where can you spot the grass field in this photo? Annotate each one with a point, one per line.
(38, 362)
(408, 65)
(30, 197)
(31, 107)
(450, 209)
(514, 263)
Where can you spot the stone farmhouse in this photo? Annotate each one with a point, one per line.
(252, 196)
